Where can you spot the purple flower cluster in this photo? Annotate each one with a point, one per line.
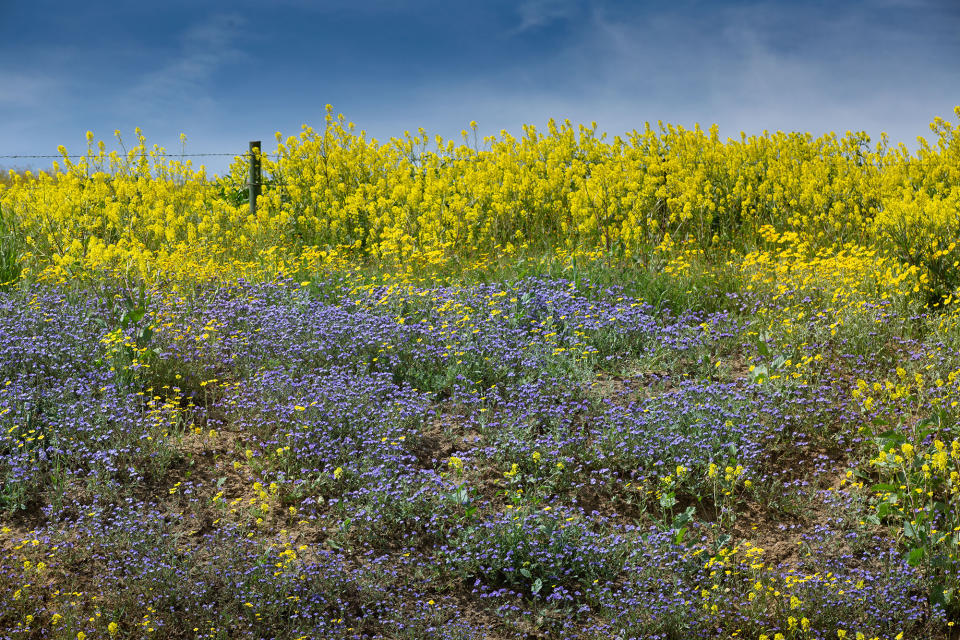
(528, 459)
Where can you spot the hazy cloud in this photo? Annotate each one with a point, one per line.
(874, 65)
(188, 80)
(27, 91)
(534, 14)
(753, 67)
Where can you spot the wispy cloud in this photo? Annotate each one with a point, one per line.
(878, 65)
(534, 14)
(27, 91)
(30, 104)
(187, 80)
(750, 68)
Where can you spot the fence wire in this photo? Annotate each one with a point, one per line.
(152, 155)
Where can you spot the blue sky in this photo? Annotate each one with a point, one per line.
(226, 73)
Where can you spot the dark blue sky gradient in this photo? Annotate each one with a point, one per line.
(225, 73)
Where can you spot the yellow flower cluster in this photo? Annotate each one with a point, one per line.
(741, 572)
(335, 194)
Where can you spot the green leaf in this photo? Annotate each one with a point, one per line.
(537, 585)
(909, 531)
(683, 518)
(915, 557)
(678, 536)
(526, 573)
(721, 541)
(892, 440)
(939, 595)
(132, 316)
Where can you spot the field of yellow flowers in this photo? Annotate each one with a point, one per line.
(660, 385)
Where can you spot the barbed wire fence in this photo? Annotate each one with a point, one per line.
(155, 155)
(253, 184)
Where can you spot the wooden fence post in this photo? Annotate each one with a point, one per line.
(255, 175)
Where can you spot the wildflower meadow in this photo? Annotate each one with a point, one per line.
(564, 385)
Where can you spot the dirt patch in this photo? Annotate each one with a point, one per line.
(622, 390)
(435, 444)
(782, 546)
